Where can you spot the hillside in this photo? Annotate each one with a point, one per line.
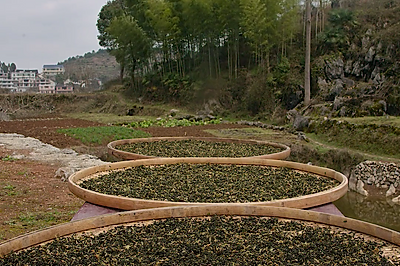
(93, 65)
(355, 66)
(356, 63)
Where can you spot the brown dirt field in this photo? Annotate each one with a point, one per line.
(30, 196)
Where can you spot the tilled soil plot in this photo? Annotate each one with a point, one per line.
(30, 196)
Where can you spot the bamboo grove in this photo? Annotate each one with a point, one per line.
(209, 39)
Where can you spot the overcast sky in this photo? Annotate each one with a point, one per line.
(38, 32)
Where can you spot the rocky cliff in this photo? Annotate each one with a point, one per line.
(362, 76)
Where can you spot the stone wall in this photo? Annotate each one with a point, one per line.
(378, 174)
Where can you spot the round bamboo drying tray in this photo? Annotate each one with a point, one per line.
(125, 203)
(125, 218)
(133, 156)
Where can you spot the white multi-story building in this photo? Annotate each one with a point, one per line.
(51, 71)
(21, 74)
(24, 79)
(6, 82)
(3, 75)
(31, 80)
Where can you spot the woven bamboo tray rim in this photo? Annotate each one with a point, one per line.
(112, 150)
(125, 203)
(48, 234)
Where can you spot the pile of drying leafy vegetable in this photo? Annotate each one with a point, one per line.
(218, 240)
(197, 148)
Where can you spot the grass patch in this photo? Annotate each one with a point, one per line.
(381, 140)
(103, 135)
(30, 221)
(9, 187)
(8, 158)
(341, 160)
(371, 151)
(377, 120)
(9, 190)
(254, 133)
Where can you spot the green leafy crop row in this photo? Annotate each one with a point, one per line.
(172, 123)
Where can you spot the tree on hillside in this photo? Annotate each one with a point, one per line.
(108, 12)
(229, 16)
(12, 67)
(307, 71)
(4, 67)
(267, 26)
(340, 31)
(288, 24)
(207, 39)
(259, 21)
(131, 43)
(166, 31)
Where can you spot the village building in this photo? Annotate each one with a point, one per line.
(32, 81)
(47, 86)
(24, 80)
(64, 88)
(51, 71)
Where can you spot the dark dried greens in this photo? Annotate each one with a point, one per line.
(210, 183)
(198, 148)
(219, 240)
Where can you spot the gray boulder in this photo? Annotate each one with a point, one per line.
(64, 173)
(377, 77)
(343, 111)
(360, 188)
(337, 103)
(334, 69)
(335, 90)
(299, 122)
(348, 68)
(369, 57)
(357, 68)
(391, 191)
(348, 82)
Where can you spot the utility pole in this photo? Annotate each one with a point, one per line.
(307, 74)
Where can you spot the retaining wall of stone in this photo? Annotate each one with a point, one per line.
(379, 174)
